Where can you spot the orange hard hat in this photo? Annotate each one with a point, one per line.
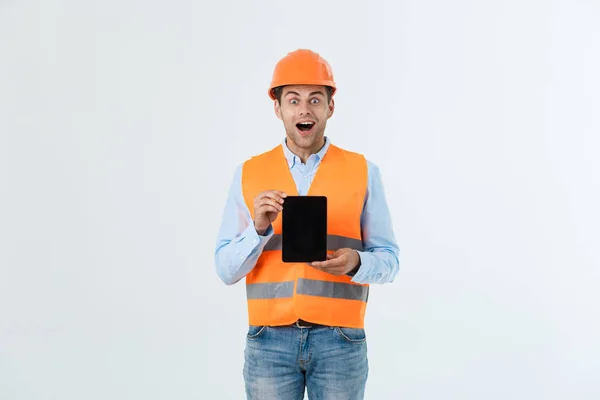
(302, 67)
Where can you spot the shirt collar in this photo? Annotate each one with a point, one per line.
(292, 159)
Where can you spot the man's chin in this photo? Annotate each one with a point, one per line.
(309, 139)
(305, 144)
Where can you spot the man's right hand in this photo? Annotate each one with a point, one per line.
(267, 206)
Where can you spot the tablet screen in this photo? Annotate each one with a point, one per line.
(304, 229)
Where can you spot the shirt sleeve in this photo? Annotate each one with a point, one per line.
(238, 244)
(379, 258)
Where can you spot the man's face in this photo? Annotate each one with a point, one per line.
(304, 111)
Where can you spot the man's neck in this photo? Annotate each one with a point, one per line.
(303, 153)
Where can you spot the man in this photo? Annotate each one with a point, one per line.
(306, 322)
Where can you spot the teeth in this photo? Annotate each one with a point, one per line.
(306, 123)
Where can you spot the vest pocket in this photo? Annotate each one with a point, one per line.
(352, 335)
(255, 331)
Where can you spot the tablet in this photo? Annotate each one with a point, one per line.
(304, 229)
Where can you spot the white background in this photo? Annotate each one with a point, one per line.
(121, 123)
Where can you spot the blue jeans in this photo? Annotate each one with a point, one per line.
(330, 362)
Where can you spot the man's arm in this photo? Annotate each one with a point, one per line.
(238, 244)
(379, 258)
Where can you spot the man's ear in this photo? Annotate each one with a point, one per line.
(331, 108)
(277, 108)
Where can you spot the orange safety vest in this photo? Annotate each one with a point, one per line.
(280, 293)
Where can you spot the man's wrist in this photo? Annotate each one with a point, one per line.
(354, 270)
(261, 232)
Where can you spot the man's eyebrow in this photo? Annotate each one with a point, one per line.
(298, 94)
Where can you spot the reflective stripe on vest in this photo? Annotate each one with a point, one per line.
(309, 287)
(334, 242)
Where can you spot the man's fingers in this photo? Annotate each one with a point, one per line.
(274, 195)
(339, 252)
(334, 270)
(268, 208)
(330, 263)
(269, 202)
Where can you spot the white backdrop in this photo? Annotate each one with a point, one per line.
(121, 123)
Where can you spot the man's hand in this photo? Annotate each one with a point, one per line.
(339, 263)
(267, 206)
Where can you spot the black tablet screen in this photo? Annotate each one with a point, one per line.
(304, 229)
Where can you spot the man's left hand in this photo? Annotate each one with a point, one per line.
(339, 263)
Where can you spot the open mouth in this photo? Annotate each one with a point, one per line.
(305, 127)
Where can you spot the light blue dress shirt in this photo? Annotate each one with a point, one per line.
(239, 245)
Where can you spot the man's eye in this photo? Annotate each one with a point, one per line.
(293, 101)
(315, 101)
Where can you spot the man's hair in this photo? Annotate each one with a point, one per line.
(279, 91)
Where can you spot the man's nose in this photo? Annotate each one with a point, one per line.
(303, 109)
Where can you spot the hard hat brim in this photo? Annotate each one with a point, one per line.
(275, 85)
